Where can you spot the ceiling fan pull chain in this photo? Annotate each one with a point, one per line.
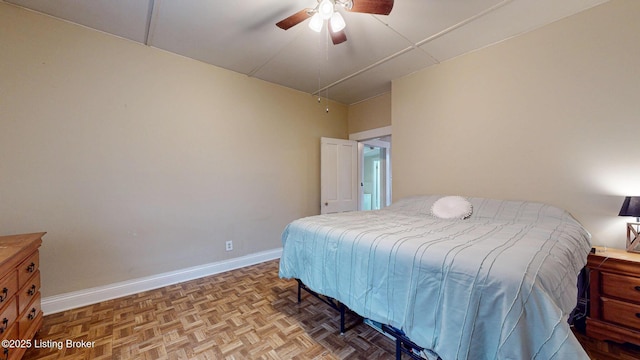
(326, 52)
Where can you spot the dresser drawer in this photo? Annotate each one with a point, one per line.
(11, 352)
(28, 292)
(30, 316)
(27, 268)
(621, 313)
(620, 286)
(8, 287)
(8, 316)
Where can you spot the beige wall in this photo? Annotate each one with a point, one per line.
(370, 114)
(137, 161)
(552, 116)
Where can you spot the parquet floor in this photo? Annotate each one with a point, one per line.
(246, 313)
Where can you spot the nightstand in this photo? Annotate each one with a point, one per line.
(614, 311)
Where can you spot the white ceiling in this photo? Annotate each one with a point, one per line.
(241, 36)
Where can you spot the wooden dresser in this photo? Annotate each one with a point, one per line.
(20, 311)
(614, 311)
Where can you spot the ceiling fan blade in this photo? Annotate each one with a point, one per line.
(337, 37)
(293, 20)
(380, 7)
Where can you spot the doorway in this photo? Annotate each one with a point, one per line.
(375, 173)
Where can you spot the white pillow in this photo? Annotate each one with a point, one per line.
(452, 207)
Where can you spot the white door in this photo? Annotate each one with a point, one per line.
(338, 175)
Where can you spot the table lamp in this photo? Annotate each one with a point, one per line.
(631, 207)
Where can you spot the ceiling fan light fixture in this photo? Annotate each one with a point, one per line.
(337, 22)
(325, 9)
(316, 22)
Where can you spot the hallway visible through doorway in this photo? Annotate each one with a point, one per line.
(375, 173)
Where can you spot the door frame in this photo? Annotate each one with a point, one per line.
(362, 138)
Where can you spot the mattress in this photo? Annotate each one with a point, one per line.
(499, 284)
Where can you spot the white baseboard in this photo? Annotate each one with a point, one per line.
(58, 303)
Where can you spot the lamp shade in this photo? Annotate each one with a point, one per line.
(316, 22)
(337, 22)
(325, 9)
(630, 206)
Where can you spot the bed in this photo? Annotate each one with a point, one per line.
(498, 284)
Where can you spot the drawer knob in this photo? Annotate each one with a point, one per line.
(31, 268)
(638, 315)
(32, 290)
(4, 294)
(5, 325)
(637, 288)
(32, 314)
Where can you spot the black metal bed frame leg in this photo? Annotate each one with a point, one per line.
(342, 318)
(403, 343)
(412, 349)
(337, 305)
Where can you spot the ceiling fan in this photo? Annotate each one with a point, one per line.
(326, 10)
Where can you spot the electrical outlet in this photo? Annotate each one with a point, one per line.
(229, 245)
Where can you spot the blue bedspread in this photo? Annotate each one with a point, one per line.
(498, 285)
